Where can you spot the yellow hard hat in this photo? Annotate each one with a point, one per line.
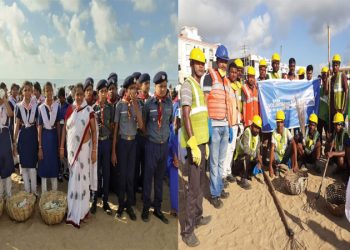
(251, 71)
(197, 55)
(301, 71)
(257, 121)
(262, 63)
(338, 118)
(313, 118)
(324, 70)
(275, 57)
(280, 116)
(239, 63)
(336, 58)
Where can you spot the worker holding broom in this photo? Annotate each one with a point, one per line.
(283, 148)
(309, 147)
(248, 155)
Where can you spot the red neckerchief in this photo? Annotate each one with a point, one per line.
(112, 100)
(102, 106)
(142, 96)
(127, 99)
(27, 106)
(160, 108)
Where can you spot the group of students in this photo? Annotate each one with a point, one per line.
(132, 132)
(221, 124)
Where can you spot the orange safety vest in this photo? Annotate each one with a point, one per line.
(250, 104)
(221, 103)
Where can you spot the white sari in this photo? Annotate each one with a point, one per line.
(347, 201)
(83, 174)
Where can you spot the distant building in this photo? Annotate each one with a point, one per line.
(189, 39)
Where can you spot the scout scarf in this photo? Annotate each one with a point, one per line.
(49, 123)
(160, 108)
(26, 118)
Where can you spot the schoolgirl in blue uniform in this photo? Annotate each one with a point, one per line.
(6, 160)
(48, 138)
(26, 137)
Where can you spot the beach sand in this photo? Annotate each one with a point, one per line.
(250, 219)
(102, 231)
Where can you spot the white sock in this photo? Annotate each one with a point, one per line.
(25, 175)
(54, 184)
(32, 174)
(8, 186)
(43, 185)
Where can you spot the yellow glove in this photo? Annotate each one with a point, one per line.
(196, 153)
(207, 151)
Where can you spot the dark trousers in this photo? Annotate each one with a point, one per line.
(194, 193)
(140, 161)
(245, 165)
(322, 125)
(103, 168)
(126, 166)
(155, 166)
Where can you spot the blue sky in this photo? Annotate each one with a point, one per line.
(73, 39)
(299, 26)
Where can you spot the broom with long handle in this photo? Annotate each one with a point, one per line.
(292, 243)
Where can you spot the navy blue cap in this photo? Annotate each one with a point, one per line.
(89, 81)
(160, 77)
(112, 79)
(144, 78)
(128, 81)
(101, 84)
(136, 75)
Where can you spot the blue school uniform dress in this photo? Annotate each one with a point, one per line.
(27, 145)
(6, 160)
(172, 170)
(48, 166)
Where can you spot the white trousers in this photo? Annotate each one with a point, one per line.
(5, 185)
(44, 184)
(29, 178)
(229, 154)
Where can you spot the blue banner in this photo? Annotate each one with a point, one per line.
(282, 94)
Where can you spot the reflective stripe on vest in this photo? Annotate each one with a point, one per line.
(198, 116)
(338, 92)
(250, 104)
(310, 143)
(253, 142)
(280, 143)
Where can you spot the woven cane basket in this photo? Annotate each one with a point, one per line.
(296, 183)
(1, 205)
(335, 199)
(53, 207)
(20, 206)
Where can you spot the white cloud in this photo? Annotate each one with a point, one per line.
(164, 48)
(61, 24)
(174, 22)
(36, 5)
(257, 33)
(76, 36)
(120, 54)
(105, 24)
(144, 5)
(139, 43)
(71, 5)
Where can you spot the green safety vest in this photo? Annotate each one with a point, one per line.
(323, 113)
(281, 143)
(238, 92)
(274, 75)
(339, 144)
(198, 116)
(338, 92)
(253, 143)
(310, 142)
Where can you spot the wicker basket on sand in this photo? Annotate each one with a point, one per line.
(295, 183)
(1, 205)
(335, 199)
(53, 207)
(20, 206)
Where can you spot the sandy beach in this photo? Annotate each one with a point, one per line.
(100, 232)
(250, 219)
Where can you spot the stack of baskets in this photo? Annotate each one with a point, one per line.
(335, 198)
(20, 206)
(53, 207)
(296, 183)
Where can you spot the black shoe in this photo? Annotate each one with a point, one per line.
(161, 216)
(203, 221)
(245, 184)
(139, 190)
(119, 212)
(131, 213)
(66, 176)
(225, 183)
(93, 207)
(217, 203)
(230, 178)
(191, 240)
(145, 215)
(60, 178)
(107, 208)
(224, 195)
